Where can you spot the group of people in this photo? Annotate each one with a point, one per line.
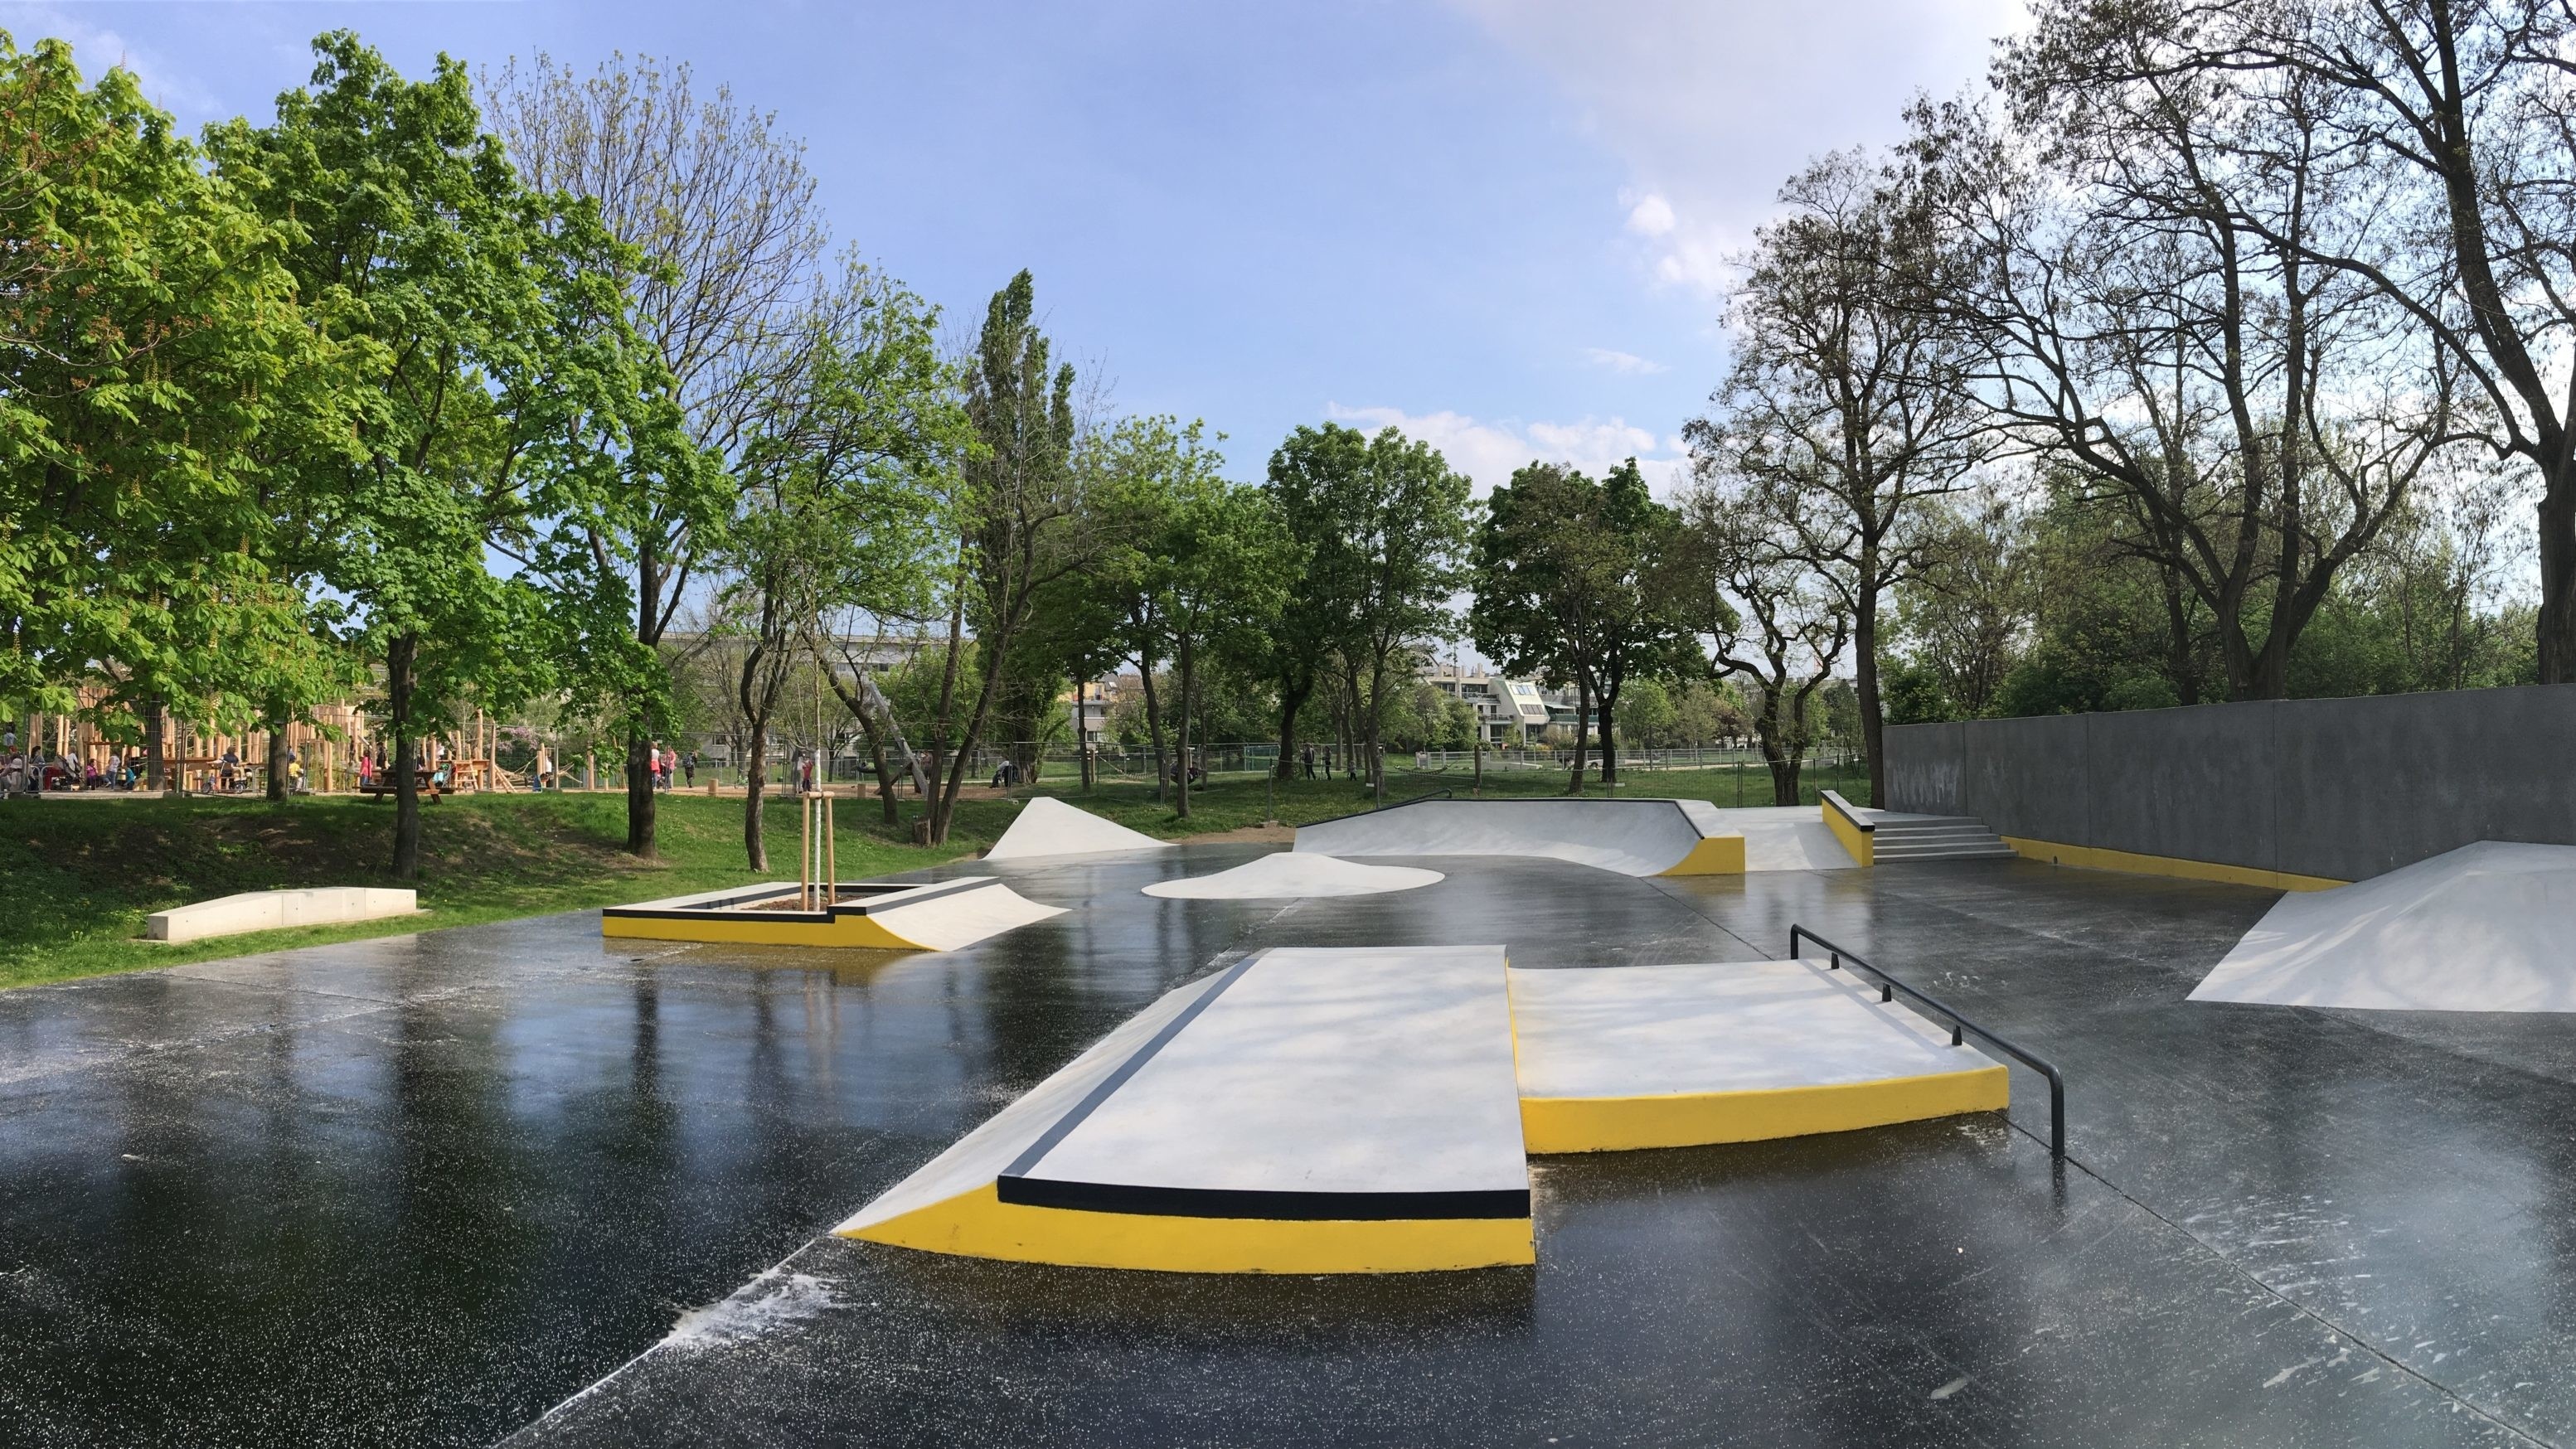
(1307, 758)
(666, 762)
(42, 774)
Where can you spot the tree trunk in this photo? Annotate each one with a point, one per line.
(1082, 734)
(399, 658)
(1376, 711)
(755, 786)
(1153, 724)
(156, 731)
(943, 811)
(1189, 678)
(639, 793)
(1605, 726)
(1291, 700)
(1873, 722)
(1582, 729)
(2557, 622)
(1772, 732)
(276, 762)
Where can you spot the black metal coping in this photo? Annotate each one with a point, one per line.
(1292, 1207)
(732, 904)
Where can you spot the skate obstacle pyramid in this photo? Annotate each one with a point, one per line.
(1373, 1110)
(1047, 828)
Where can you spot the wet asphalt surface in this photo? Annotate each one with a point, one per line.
(435, 1189)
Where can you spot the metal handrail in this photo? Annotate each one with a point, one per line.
(1888, 986)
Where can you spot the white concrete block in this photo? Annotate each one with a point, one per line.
(276, 910)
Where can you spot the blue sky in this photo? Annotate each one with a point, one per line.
(1500, 224)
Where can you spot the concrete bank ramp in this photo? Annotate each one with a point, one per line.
(1681, 1056)
(1048, 827)
(2486, 927)
(1291, 875)
(1788, 837)
(1302, 1111)
(1632, 837)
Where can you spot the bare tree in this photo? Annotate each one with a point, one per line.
(1771, 620)
(720, 211)
(1847, 394)
(2456, 119)
(2151, 320)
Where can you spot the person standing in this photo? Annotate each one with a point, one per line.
(1308, 756)
(689, 768)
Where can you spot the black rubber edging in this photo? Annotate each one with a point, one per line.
(1294, 1207)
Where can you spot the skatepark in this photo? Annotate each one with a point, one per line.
(1382, 1138)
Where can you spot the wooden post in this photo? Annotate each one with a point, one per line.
(805, 853)
(831, 857)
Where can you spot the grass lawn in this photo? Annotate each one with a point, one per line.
(78, 876)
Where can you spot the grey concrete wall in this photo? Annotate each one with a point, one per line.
(2347, 788)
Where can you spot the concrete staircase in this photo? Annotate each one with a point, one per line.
(1934, 837)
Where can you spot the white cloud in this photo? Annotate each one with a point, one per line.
(1651, 216)
(1488, 452)
(1626, 364)
(1710, 107)
(98, 50)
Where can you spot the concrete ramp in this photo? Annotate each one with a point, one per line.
(1789, 837)
(2486, 927)
(1680, 1056)
(1047, 827)
(1632, 837)
(1303, 1111)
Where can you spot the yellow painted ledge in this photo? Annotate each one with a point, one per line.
(1697, 1119)
(1714, 855)
(1861, 844)
(745, 928)
(2089, 857)
(979, 1224)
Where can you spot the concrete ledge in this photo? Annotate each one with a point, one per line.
(278, 910)
(1552, 1125)
(1857, 834)
(2094, 857)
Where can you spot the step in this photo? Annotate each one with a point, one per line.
(1926, 837)
(1998, 851)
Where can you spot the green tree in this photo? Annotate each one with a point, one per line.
(1226, 558)
(154, 365)
(1383, 522)
(1021, 516)
(841, 508)
(721, 239)
(495, 388)
(1571, 584)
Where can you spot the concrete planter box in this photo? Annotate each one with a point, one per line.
(274, 910)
